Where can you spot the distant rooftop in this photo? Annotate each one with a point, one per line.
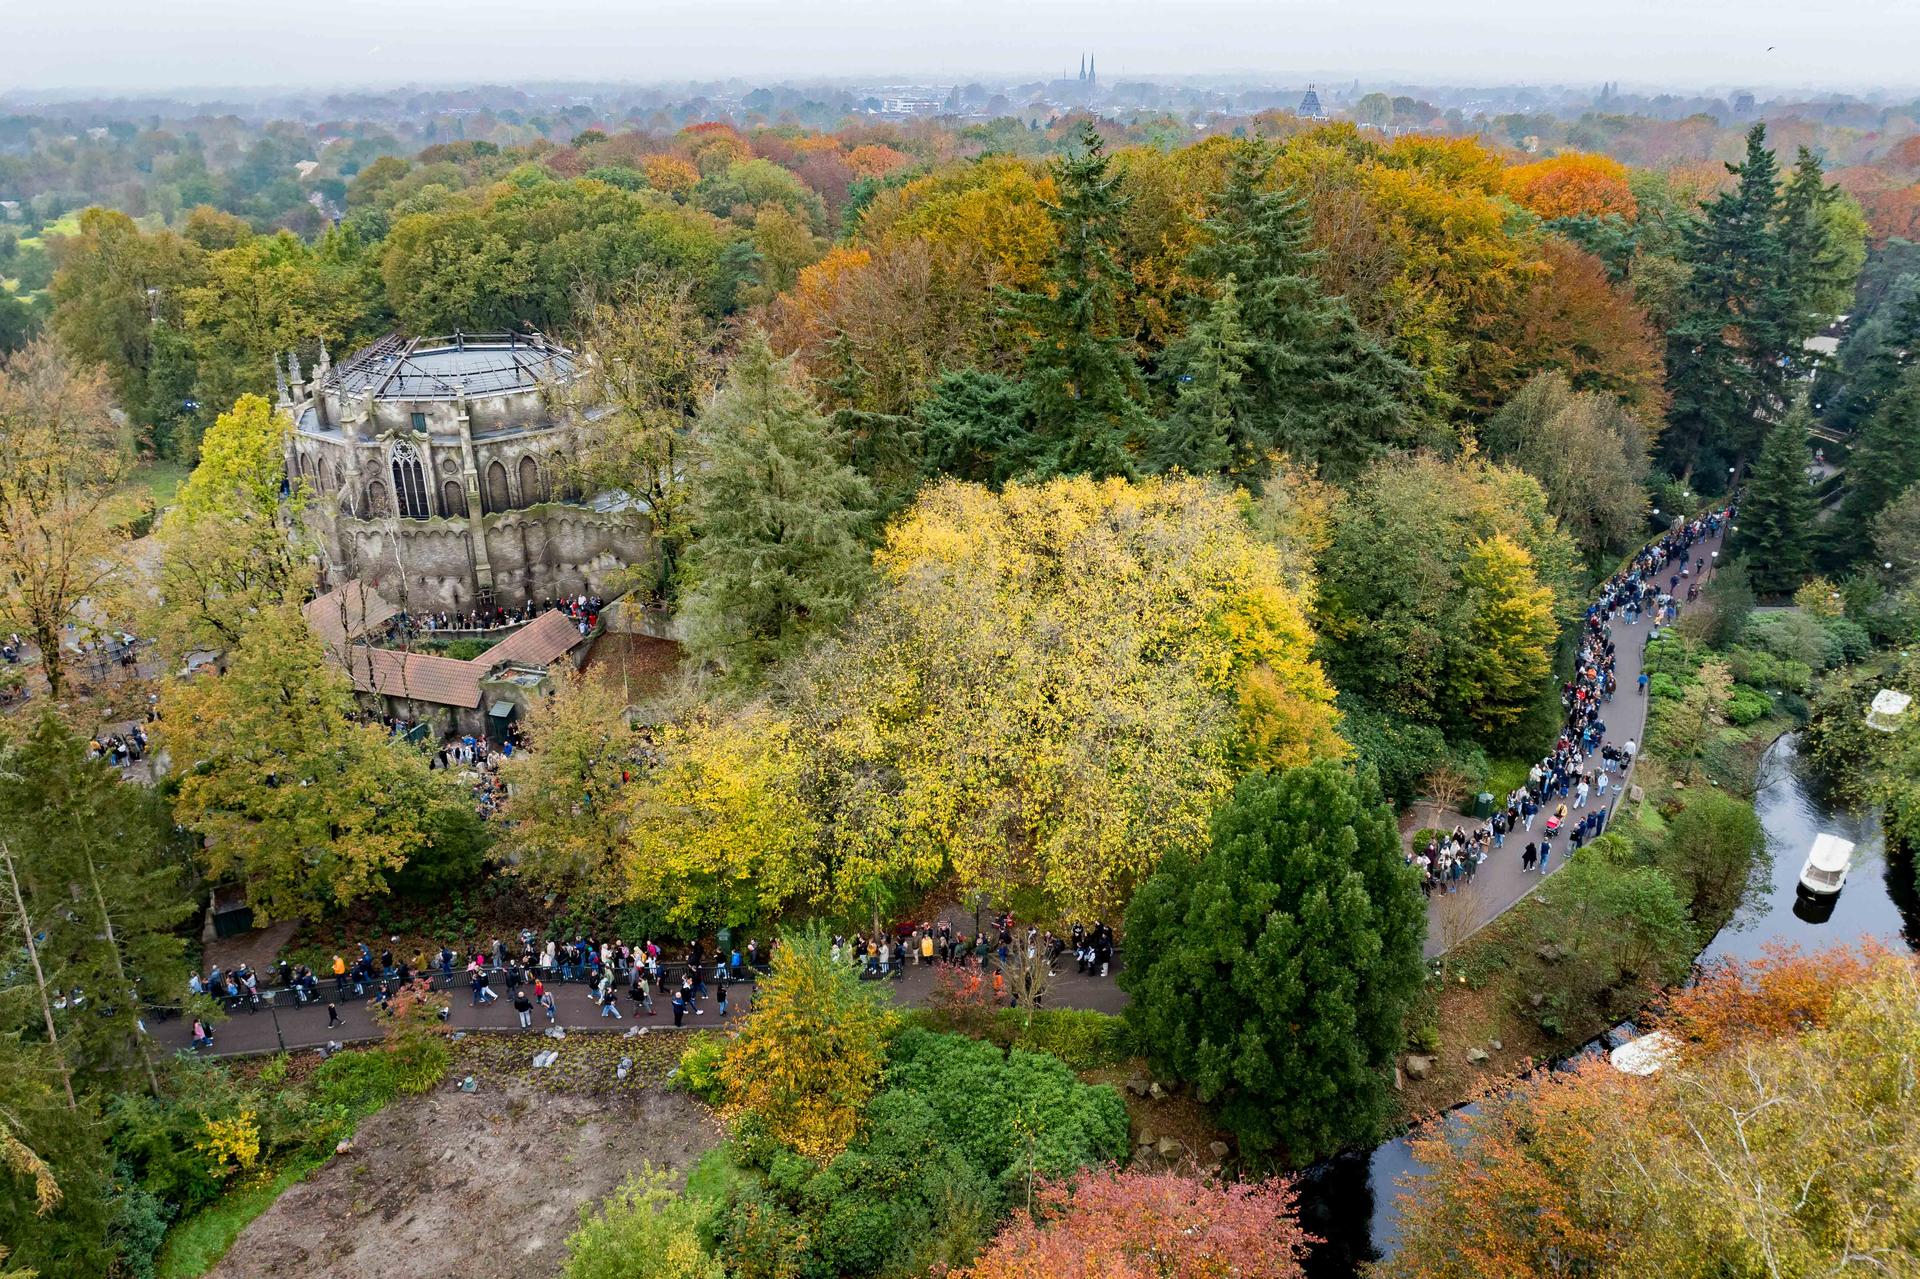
(439, 368)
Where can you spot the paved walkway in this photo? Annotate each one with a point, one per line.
(1499, 883)
(294, 1027)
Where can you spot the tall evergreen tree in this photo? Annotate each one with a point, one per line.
(1820, 267)
(1723, 352)
(1084, 381)
(1318, 386)
(779, 517)
(1276, 967)
(1884, 462)
(1211, 403)
(1777, 513)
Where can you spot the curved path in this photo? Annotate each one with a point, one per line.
(1500, 883)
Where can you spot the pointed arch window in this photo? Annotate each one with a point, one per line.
(409, 485)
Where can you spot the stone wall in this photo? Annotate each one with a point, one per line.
(542, 552)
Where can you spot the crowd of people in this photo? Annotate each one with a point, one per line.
(1567, 793)
(581, 608)
(889, 955)
(122, 748)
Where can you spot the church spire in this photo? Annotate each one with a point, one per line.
(1090, 75)
(1083, 66)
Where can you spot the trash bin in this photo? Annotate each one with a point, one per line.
(1483, 804)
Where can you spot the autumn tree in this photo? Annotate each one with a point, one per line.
(1776, 527)
(717, 829)
(1509, 635)
(231, 545)
(60, 454)
(651, 372)
(1085, 383)
(778, 516)
(1573, 184)
(1057, 683)
(1108, 1224)
(564, 796)
(811, 1055)
(1589, 454)
(1395, 618)
(1702, 1169)
(1274, 967)
(295, 797)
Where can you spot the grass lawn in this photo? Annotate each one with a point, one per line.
(193, 1246)
(160, 480)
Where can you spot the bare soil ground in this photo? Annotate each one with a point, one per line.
(457, 1185)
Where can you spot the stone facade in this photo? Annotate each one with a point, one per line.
(433, 469)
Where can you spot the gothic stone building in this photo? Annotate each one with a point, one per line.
(433, 469)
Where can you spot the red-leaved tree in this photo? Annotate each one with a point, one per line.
(1150, 1225)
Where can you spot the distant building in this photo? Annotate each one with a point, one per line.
(1743, 104)
(1310, 108)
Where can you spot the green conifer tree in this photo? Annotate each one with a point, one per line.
(1319, 386)
(1275, 968)
(1776, 515)
(1723, 352)
(1884, 462)
(1210, 405)
(780, 518)
(1083, 379)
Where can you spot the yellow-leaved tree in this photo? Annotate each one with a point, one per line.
(564, 810)
(811, 1055)
(1052, 686)
(1510, 633)
(719, 832)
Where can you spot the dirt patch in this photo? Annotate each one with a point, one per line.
(456, 1185)
(639, 665)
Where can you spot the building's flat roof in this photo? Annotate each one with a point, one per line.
(441, 368)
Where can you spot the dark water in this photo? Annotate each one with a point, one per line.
(1350, 1201)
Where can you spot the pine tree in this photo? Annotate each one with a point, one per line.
(1276, 966)
(1081, 371)
(1723, 354)
(1777, 513)
(1819, 271)
(1318, 385)
(1884, 462)
(1207, 429)
(779, 518)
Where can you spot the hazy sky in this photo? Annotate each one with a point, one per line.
(158, 44)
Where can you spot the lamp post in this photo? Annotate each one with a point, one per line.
(274, 1012)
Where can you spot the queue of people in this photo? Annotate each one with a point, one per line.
(1568, 793)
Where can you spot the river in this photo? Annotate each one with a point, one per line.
(1350, 1201)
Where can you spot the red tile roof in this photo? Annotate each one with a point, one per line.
(544, 640)
(347, 612)
(354, 610)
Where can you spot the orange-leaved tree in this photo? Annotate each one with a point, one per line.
(1573, 184)
(1150, 1225)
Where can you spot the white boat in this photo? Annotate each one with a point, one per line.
(1645, 1055)
(1827, 864)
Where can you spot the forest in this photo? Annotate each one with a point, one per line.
(1096, 521)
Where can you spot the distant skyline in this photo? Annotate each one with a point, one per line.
(138, 46)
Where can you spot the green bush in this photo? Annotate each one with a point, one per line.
(359, 1081)
(644, 1226)
(1794, 636)
(1765, 671)
(1080, 1037)
(139, 1228)
(699, 1071)
(1747, 705)
(1849, 640)
(1403, 752)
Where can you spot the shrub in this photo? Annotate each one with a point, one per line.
(1403, 752)
(1080, 1037)
(1849, 640)
(1747, 705)
(138, 1227)
(643, 1227)
(699, 1071)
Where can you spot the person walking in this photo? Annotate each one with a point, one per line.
(202, 1037)
(1546, 851)
(523, 1006)
(720, 993)
(1528, 856)
(333, 1016)
(550, 1008)
(679, 1009)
